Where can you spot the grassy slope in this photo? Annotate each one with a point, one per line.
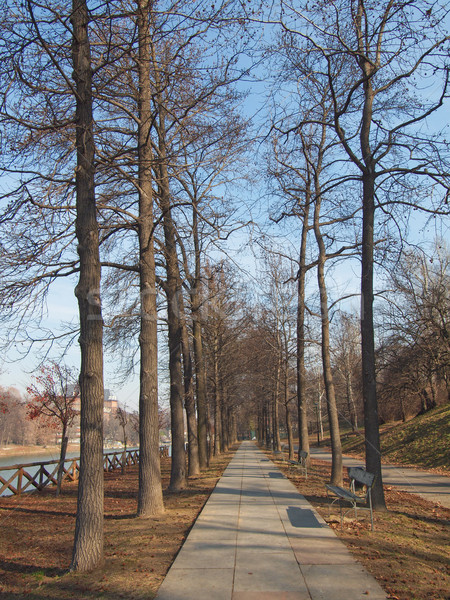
(423, 441)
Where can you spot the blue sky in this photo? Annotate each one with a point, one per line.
(62, 305)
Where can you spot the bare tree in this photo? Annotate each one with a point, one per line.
(415, 352)
(372, 55)
(336, 448)
(150, 499)
(15, 428)
(346, 361)
(279, 318)
(88, 543)
(52, 397)
(122, 416)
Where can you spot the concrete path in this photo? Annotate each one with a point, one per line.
(432, 487)
(257, 538)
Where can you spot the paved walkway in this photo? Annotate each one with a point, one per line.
(432, 487)
(257, 538)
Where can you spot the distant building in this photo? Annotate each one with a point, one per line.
(111, 403)
(110, 406)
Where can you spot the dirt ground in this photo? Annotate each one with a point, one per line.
(36, 539)
(407, 552)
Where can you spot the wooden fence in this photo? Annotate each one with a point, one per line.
(18, 479)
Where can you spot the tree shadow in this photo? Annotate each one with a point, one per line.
(28, 569)
(37, 511)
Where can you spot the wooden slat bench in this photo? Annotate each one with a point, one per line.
(301, 463)
(359, 495)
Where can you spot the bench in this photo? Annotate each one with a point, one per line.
(301, 463)
(359, 495)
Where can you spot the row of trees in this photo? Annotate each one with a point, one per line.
(15, 428)
(352, 155)
(123, 140)
(119, 127)
(48, 414)
(412, 349)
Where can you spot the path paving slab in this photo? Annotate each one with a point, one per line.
(258, 538)
(341, 582)
(197, 584)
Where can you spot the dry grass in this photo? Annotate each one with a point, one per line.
(408, 552)
(421, 442)
(37, 536)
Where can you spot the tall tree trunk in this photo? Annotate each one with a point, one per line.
(200, 368)
(200, 383)
(189, 400)
(319, 416)
(288, 412)
(350, 396)
(173, 292)
(217, 401)
(276, 442)
(371, 419)
(260, 423)
(268, 425)
(336, 448)
(178, 465)
(150, 498)
(62, 457)
(209, 433)
(88, 542)
(289, 432)
(233, 426)
(301, 371)
(225, 413)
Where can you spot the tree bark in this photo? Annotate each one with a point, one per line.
(350, 396)
(217, 400)
(371, 419)
(62, 457)
(301, 371)
(172, 288)
(178, 466)
(288, 416)
(150, 498)
(336, 448)
(189, 401)
(200, 383)
(173, 291)
(200, 368)
(88, 543)
(276, 442)
(225, 423)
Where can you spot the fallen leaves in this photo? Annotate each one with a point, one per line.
(39, 530)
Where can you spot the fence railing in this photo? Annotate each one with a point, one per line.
(17, 479)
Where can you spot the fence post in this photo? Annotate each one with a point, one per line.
(19, 481)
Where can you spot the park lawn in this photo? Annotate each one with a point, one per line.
(421, 442)
(409, 550)
(37, 531)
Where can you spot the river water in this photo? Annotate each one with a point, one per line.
(22, 459)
